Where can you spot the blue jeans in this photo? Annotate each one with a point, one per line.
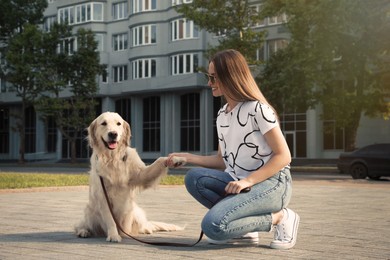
(235, 215)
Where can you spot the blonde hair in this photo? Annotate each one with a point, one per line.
(233, 72)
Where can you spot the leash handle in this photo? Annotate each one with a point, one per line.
(118, 226)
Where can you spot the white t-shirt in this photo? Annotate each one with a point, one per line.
(240, 134)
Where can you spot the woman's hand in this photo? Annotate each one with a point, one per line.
(171, 164)
(235, 187)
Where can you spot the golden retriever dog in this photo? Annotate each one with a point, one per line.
(124, 175)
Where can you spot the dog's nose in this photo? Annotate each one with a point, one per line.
(112, 135)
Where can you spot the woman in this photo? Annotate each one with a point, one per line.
(252, 154)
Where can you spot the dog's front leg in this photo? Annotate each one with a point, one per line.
(151, 175)
(109, 223)
(111, 229)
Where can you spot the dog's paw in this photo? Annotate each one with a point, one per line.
(84, 233)
(114, 238)
(178, 161)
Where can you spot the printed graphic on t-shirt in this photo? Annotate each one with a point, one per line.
(241, 139)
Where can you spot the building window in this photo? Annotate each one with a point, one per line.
(68, 46)
(48, 22)
(123, 108)
(183, 29)
(151, 124)
(99, 38)
(51, 135)
(97, 14)
(119, 73)
(119, 42)
(275, 45)
(144, 68)
(277, 19)
(30, 134)
(179, 2)
(82, 147)
(105, 74)
(221, 33)
(119, 11)
(334, 137)
(190, 122)
(82, 150)
(259, 54)
(144, 5)
(3, 84)
(184, 63)
(81, 13)
(294, 127)
(256, 9)
(144, 35)
(4, 130)
(66, 15)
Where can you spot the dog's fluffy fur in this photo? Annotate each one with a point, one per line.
(125, 175)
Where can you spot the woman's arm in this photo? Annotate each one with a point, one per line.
(280, 158)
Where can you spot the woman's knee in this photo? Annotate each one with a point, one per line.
(191, 177)
(212, 227)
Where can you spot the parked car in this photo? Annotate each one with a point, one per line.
(371, 161)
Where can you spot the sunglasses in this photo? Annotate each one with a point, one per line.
(210, 78)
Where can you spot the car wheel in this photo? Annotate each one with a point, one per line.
(374, 177)
(358, 171)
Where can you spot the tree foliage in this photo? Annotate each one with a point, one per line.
(77, 73)
(338, 56)
(229, 18)
(22, 70)
(19, 42)
(42, 70)
(15, 13)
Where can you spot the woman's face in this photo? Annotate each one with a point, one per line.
(213, 82)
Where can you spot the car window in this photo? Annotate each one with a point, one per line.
(374, 150)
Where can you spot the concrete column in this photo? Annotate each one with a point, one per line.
(41, 135)
(59, 145)
(14, 138)
(313, 134)
(206, 122)
(108, 104)
(136, 123)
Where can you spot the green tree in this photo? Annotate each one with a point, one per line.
(76, 71)
(15, 13)
(19, 42)
(22, 67)
(229, 18)
(338, 57)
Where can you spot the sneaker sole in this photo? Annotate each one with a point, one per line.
(251, 239)
(234, 241)
(276, 245)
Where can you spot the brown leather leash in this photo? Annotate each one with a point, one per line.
(119, 227)
(139, 240)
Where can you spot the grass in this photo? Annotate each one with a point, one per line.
(13, 180)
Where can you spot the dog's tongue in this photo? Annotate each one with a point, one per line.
(112, 145)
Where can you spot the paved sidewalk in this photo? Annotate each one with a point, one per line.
(340, 219)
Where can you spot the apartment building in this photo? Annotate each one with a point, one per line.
(152, 54)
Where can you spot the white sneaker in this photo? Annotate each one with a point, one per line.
(251, 238)
(286, 231)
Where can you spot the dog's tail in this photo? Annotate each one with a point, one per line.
(155, 226)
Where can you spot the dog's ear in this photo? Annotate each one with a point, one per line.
(127, 133)
(92, 140)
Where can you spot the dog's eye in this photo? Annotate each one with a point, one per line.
(118, 124)
(104, 123)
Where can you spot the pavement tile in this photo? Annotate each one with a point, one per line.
(347, 219)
